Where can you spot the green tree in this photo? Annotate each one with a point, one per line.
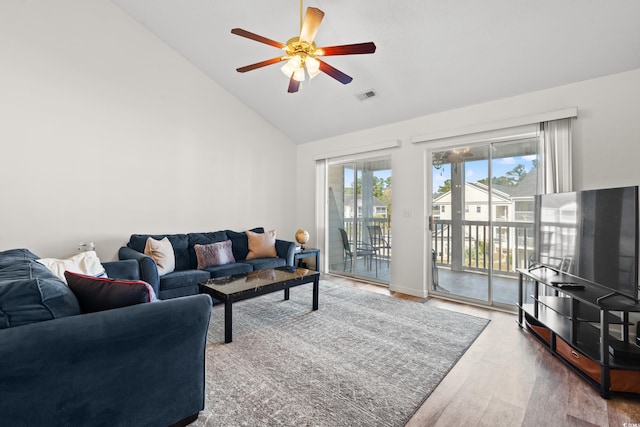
(381, 190)
(496, 180)
(517, 174)
(512, 178)
(445, 187)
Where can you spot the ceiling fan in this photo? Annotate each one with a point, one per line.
(302, 54)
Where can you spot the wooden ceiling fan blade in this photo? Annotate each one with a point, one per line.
(347, 49)
(260, 64)
(334, 72)
(312, 20)
(244, 33)
(294, 85)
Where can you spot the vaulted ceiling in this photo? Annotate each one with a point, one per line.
(432, 55)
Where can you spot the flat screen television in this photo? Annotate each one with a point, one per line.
(591, 234)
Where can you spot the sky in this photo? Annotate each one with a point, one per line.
(474, 170)
(479, 169)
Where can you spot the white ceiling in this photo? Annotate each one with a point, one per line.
(432, 55)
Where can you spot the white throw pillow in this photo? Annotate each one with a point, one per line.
(86, 263)
(162, 253)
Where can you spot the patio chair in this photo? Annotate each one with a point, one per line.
(361, 250)
(379, 243)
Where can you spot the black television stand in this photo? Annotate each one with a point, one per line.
(575, 325)
(613, 294)
(530, 269)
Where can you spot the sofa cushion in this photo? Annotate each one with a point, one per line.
(98, 294)
(25, 301)
(179, 292)
(25, 270)
(183, 278)
(262, 263)
(206, 238)
(214, 254)
(240, 242)
(262, 245)
(162, 253)
(180, 243)
(18, 270)
(229, 269)
(11, 256)
(85, 263)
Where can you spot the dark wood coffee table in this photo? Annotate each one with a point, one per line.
(244, 286)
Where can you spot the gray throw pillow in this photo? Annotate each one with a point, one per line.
(214, 254)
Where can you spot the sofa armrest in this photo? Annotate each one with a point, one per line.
(140, 365)
(148, 267)
(286, 250)
(127, 269)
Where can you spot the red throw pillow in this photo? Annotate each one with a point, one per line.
(98, 294)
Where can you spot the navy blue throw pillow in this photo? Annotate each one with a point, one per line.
(98, 294)
(240, 242)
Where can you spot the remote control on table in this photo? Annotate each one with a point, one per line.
(567, 285)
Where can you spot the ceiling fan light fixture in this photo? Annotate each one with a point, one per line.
(313, 66)
(294, 66)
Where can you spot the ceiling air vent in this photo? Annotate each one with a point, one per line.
(368, 94)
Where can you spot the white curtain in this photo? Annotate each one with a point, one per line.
(555, 150)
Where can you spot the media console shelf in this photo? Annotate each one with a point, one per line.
(577, 326)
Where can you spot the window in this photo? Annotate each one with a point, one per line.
(524, 210)
(478, 209)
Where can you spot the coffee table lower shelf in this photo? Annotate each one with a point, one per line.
(250, 285)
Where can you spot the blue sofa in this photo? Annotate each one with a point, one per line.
(184, 279)
(141, 365)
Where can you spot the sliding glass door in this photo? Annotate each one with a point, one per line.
(482, 219)
(359, 219)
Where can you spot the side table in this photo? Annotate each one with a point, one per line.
(307, 253)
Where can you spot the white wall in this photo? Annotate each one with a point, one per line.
(105, 131)
(606, 153)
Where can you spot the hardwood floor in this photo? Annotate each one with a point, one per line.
(507, 378)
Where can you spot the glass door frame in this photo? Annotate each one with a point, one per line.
(430, 273)
(358, 236)
(432, 260)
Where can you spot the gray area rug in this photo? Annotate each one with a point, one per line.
(362, 359)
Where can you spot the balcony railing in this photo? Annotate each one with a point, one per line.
(511, 244)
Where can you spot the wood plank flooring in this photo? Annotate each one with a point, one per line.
(507, 378)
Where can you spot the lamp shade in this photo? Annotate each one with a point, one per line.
(294, 66)
(313, 66)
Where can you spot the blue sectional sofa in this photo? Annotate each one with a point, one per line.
(184, 279)
(140, 365)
